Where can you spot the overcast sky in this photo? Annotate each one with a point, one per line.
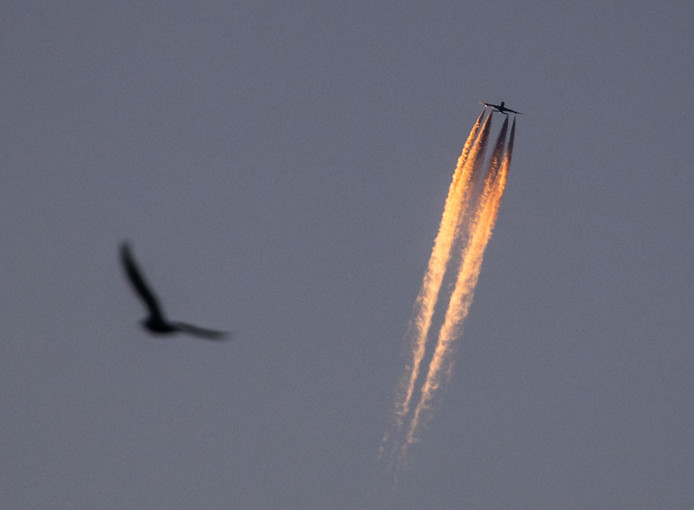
(280, 169)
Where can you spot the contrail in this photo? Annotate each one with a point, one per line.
(467, 223)
(423, 310)
(478, 235)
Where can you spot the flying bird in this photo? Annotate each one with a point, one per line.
(157, 323)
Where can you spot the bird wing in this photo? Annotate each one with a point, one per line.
(139, 284)
(208, 334)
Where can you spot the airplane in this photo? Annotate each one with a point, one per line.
(500, 108)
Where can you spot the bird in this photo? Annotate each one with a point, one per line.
(157, 323)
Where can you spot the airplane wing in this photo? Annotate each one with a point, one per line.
(512, 111)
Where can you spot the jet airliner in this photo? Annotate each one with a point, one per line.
(499, 108)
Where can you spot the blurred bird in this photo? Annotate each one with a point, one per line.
(157, 323)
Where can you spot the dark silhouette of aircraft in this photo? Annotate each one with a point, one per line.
(500, 108)
(157, 323)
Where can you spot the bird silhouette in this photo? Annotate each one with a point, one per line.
(157, 323)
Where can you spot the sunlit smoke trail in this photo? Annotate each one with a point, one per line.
(458, 196)
(478, 235)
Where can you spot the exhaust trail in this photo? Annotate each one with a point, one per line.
(467, 223)
(509, 152)
(458, 196)
(478, 235)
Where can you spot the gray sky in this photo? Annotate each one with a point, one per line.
(281, 170)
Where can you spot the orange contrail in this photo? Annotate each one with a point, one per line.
(478, 235)
(467, 223)
(458, 196)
